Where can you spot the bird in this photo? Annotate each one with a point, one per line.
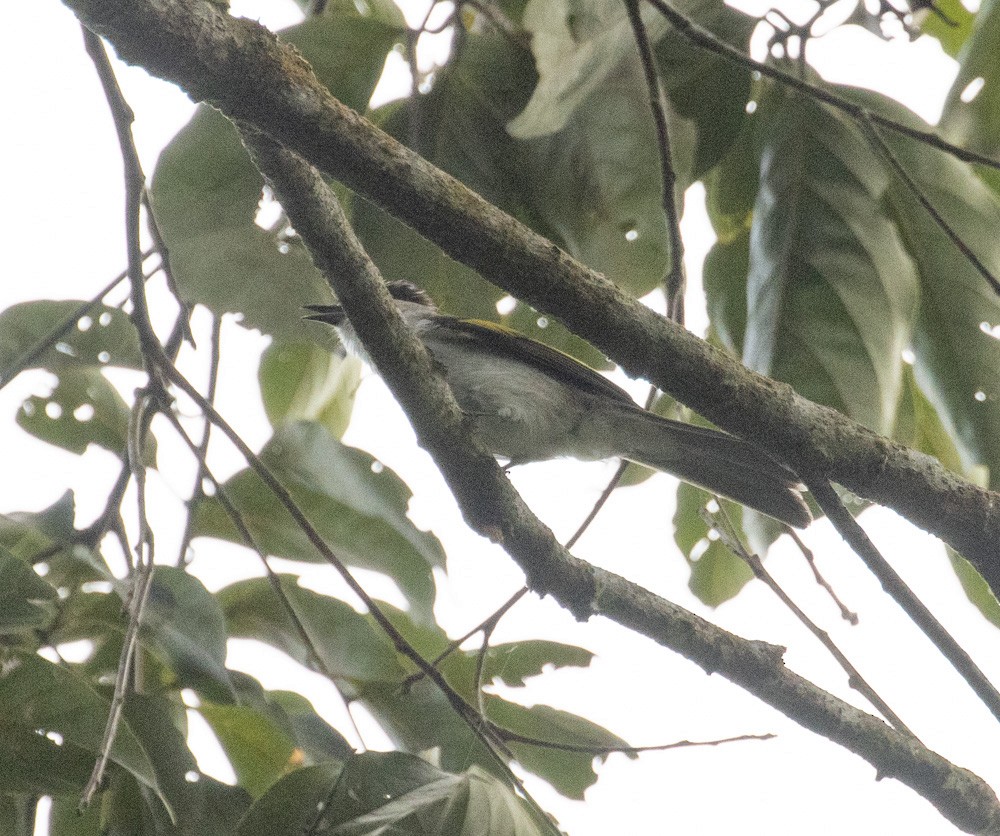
(530, 402)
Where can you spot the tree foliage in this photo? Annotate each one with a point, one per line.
(853, 261)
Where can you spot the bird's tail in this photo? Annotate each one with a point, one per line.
(720, 463)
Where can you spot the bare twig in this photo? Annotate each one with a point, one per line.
(313, 656)
(729, 537)
(598, 751)
(848, 615)
(201, 451)
(674, 280)
(892, 583)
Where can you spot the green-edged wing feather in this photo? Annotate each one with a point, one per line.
(503, 342)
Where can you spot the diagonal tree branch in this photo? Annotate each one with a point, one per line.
(245, 71)
(490, 503)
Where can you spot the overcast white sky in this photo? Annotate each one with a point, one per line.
(64, 240)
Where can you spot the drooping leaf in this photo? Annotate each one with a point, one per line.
(202, 805)
(28, 534)
(571, 773)
(259, 750)
(832, 294)
(103, 337)
(206, 191)
(705, 88)
(305, 381)
(419, 717)
(358, 506)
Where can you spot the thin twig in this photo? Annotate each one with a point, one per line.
(882, 148)
(598, 751)
(858, 540)
(848, 615)
(142, 410)
(314, 659)
(138, 594)
(727, 534)
(674, 281)
(201, 452)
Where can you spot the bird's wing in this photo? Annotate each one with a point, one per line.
(509, 344)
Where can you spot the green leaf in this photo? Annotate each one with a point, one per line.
(350, 647)
(357, 505)
(293, 803)
(56, 705)
(259, 750)
(34, 763)
(104, 337)
(514, 662)
(716, 573)
(305, 381)
(919, 426)
(83, 408)
(577, 46)
(724, 277)
(596, 185)
(951, 37)
(28, 534)
(956, 353)
(202, 804)
(314, 735)
(704, 87)
(975, 123)
(17, 815)
(389, 792)
(419, 718)
(184, 626)
(571, 773)
(460, 126)
(832, 294)
(25, 599)
(207, 191)
(975, 587)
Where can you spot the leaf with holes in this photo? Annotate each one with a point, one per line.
(716, 573)
(103, 337)
(82, 409)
